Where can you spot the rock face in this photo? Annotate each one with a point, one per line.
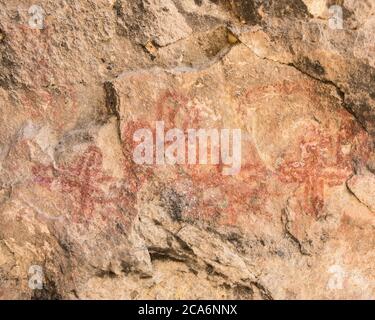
(292, 217)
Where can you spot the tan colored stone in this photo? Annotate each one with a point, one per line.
(296, 222)
(363, 187)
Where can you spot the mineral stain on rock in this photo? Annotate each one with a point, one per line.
(295, 222)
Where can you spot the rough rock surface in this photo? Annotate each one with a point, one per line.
(297, 221)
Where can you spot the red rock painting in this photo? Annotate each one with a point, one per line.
(232, 196)
(49, 90)
(91, 190)
(321, 161)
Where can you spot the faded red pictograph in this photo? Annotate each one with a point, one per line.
(324, 160)
(90, 190)
(324, 156)
(206, 192)
(48, 90)
(136, 175)
(283, 89)
(47, 102)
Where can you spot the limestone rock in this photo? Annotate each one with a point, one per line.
(291, 218)
(155, 20)
(363, 187)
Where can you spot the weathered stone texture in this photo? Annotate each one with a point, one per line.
(297, 221)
